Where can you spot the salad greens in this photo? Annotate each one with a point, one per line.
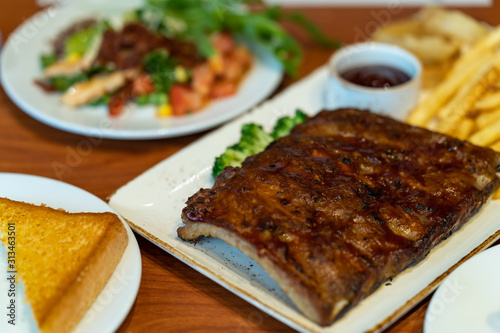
(63, 83)
(76, 45)
(47, 60)
(255, 139)
(100, 100)
(161, 68)
(196, 20)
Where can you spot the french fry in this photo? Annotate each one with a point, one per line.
(428, 108)
(464, 129)
(464, 102)
(496, 146)
(489, 102)
(487, 43)
(486, 135)
(465, 98)
(486, 118)
(452, 23)
(436, 35)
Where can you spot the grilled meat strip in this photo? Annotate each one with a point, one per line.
(344, 202)
(127, 48)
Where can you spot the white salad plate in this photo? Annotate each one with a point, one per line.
(152, 204)
(468, 300)
(20, 67)
(113, 304)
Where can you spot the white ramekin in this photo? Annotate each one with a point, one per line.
(396, 101)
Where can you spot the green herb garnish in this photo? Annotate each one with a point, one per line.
(197, 20)
(161, 68)
(100, 101)
(47, 60)
(63, 83)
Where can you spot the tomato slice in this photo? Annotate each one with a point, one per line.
(223, 43)
(116, 105)
(203, 78)
(223, 89)
(184, 100)
(142, 85)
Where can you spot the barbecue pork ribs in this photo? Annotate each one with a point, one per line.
(344, 202)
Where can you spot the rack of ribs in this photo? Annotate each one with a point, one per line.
(343, 203)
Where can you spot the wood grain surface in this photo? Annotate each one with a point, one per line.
(172, 296)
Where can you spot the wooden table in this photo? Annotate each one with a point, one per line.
(172, 296)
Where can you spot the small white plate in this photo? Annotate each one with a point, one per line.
(469, 298)
(116, 299)
(20, 66)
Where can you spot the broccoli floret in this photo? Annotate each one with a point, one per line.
(230, 157)
(284, 125)
(254, 140)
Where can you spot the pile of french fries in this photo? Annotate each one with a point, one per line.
(464, 100)
(466, 104)
(437, 36)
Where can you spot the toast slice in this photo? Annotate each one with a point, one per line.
(63, 259)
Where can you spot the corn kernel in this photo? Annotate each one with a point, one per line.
(181, 74)
(164, 111)
(216, 63)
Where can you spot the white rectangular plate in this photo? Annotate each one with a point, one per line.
(152, 204)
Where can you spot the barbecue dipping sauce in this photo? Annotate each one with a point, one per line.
(375, 76)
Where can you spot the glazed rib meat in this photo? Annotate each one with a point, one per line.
(343, 203)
